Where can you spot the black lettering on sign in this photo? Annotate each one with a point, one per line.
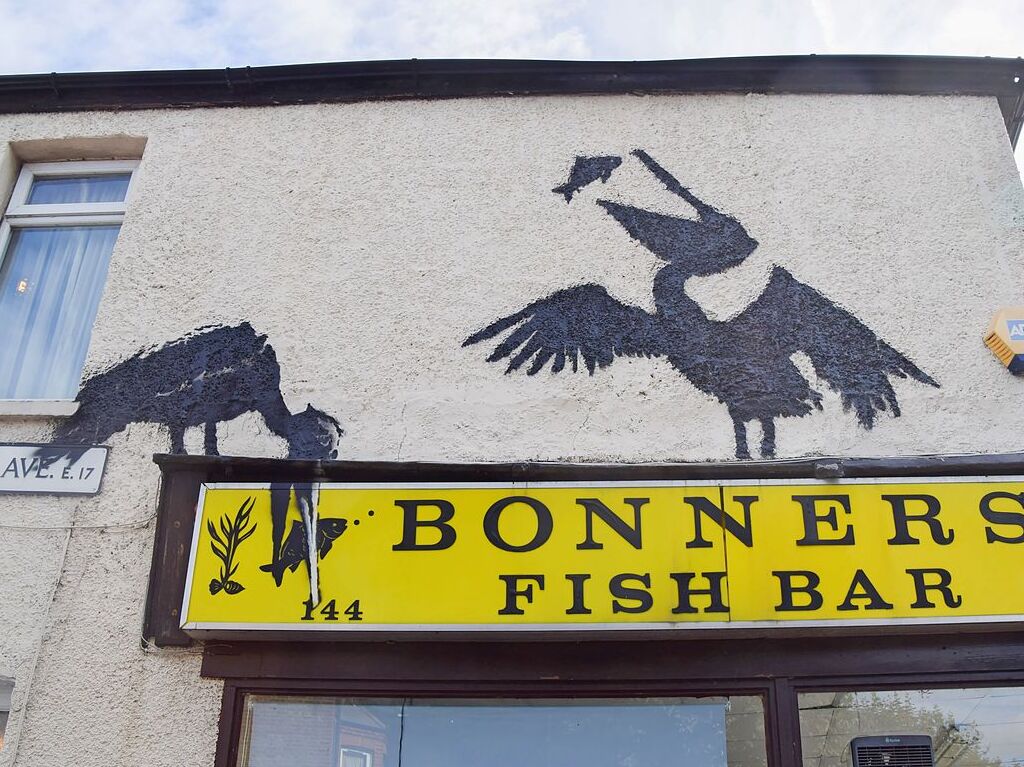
(942, 585)
(411, 523)
(813, 518)
(1003, 517)
(513, 592)
(702, 506)
(618, 588)
(788, 590)
(353, 612)
(902, 517)
(715, 592)
(330, 611)
(578, 606)
(861, 588)
(629, 533)
(492, 521)
(11, 467)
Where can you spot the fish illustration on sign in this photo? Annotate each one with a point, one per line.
(745, 362)
(585, 171)
(296, 548)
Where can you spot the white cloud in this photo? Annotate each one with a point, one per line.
(65, 35)
(472, 29)
(77, 35)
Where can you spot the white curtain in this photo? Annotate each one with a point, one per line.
(50, 287)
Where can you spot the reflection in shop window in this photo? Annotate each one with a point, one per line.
(6, 687)
(337, 732)
(982, 727)
(351, 757)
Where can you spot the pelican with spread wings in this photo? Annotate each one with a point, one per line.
(746, 362)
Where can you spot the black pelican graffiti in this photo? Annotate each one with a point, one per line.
(746, 362)
(215, 374)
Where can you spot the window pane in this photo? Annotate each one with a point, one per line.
(52, 190)
(981, 727)
(50, 287)
(323, 732)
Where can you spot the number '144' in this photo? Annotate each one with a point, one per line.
(329, 611)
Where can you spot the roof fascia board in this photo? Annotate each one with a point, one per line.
(459, 78)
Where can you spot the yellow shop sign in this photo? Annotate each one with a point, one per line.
(604, 555)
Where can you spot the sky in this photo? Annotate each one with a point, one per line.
(99, 35)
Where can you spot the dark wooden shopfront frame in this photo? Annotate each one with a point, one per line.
(776, 665)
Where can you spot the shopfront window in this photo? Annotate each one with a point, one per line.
(340, 732)
(979, 727)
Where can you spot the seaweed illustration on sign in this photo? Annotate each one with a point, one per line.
(233, 533)
(745, 362)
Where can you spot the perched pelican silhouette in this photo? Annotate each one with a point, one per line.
(745, 362)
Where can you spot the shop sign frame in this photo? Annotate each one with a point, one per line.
(831, 550)
(183, 477)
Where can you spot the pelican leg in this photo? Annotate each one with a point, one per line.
(177, 438)
(767, 437)
(210, 438)
(739, 429)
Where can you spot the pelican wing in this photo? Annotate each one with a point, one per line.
(580, 322)
(846, 354)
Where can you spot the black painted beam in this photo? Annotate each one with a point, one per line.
(242, 469)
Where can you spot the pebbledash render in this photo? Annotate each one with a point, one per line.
(497, 273)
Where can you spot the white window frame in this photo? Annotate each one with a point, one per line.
(20, 215)
(360, 751)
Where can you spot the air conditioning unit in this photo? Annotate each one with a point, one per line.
(892, 751)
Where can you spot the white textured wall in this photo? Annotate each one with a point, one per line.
(368, 240)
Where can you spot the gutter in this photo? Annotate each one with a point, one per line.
(345, 82)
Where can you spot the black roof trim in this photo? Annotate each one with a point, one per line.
(453, 78)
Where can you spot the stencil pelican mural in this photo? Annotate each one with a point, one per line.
(746, 362)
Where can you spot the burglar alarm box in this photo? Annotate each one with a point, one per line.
(1005, 337)
(892, 751)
